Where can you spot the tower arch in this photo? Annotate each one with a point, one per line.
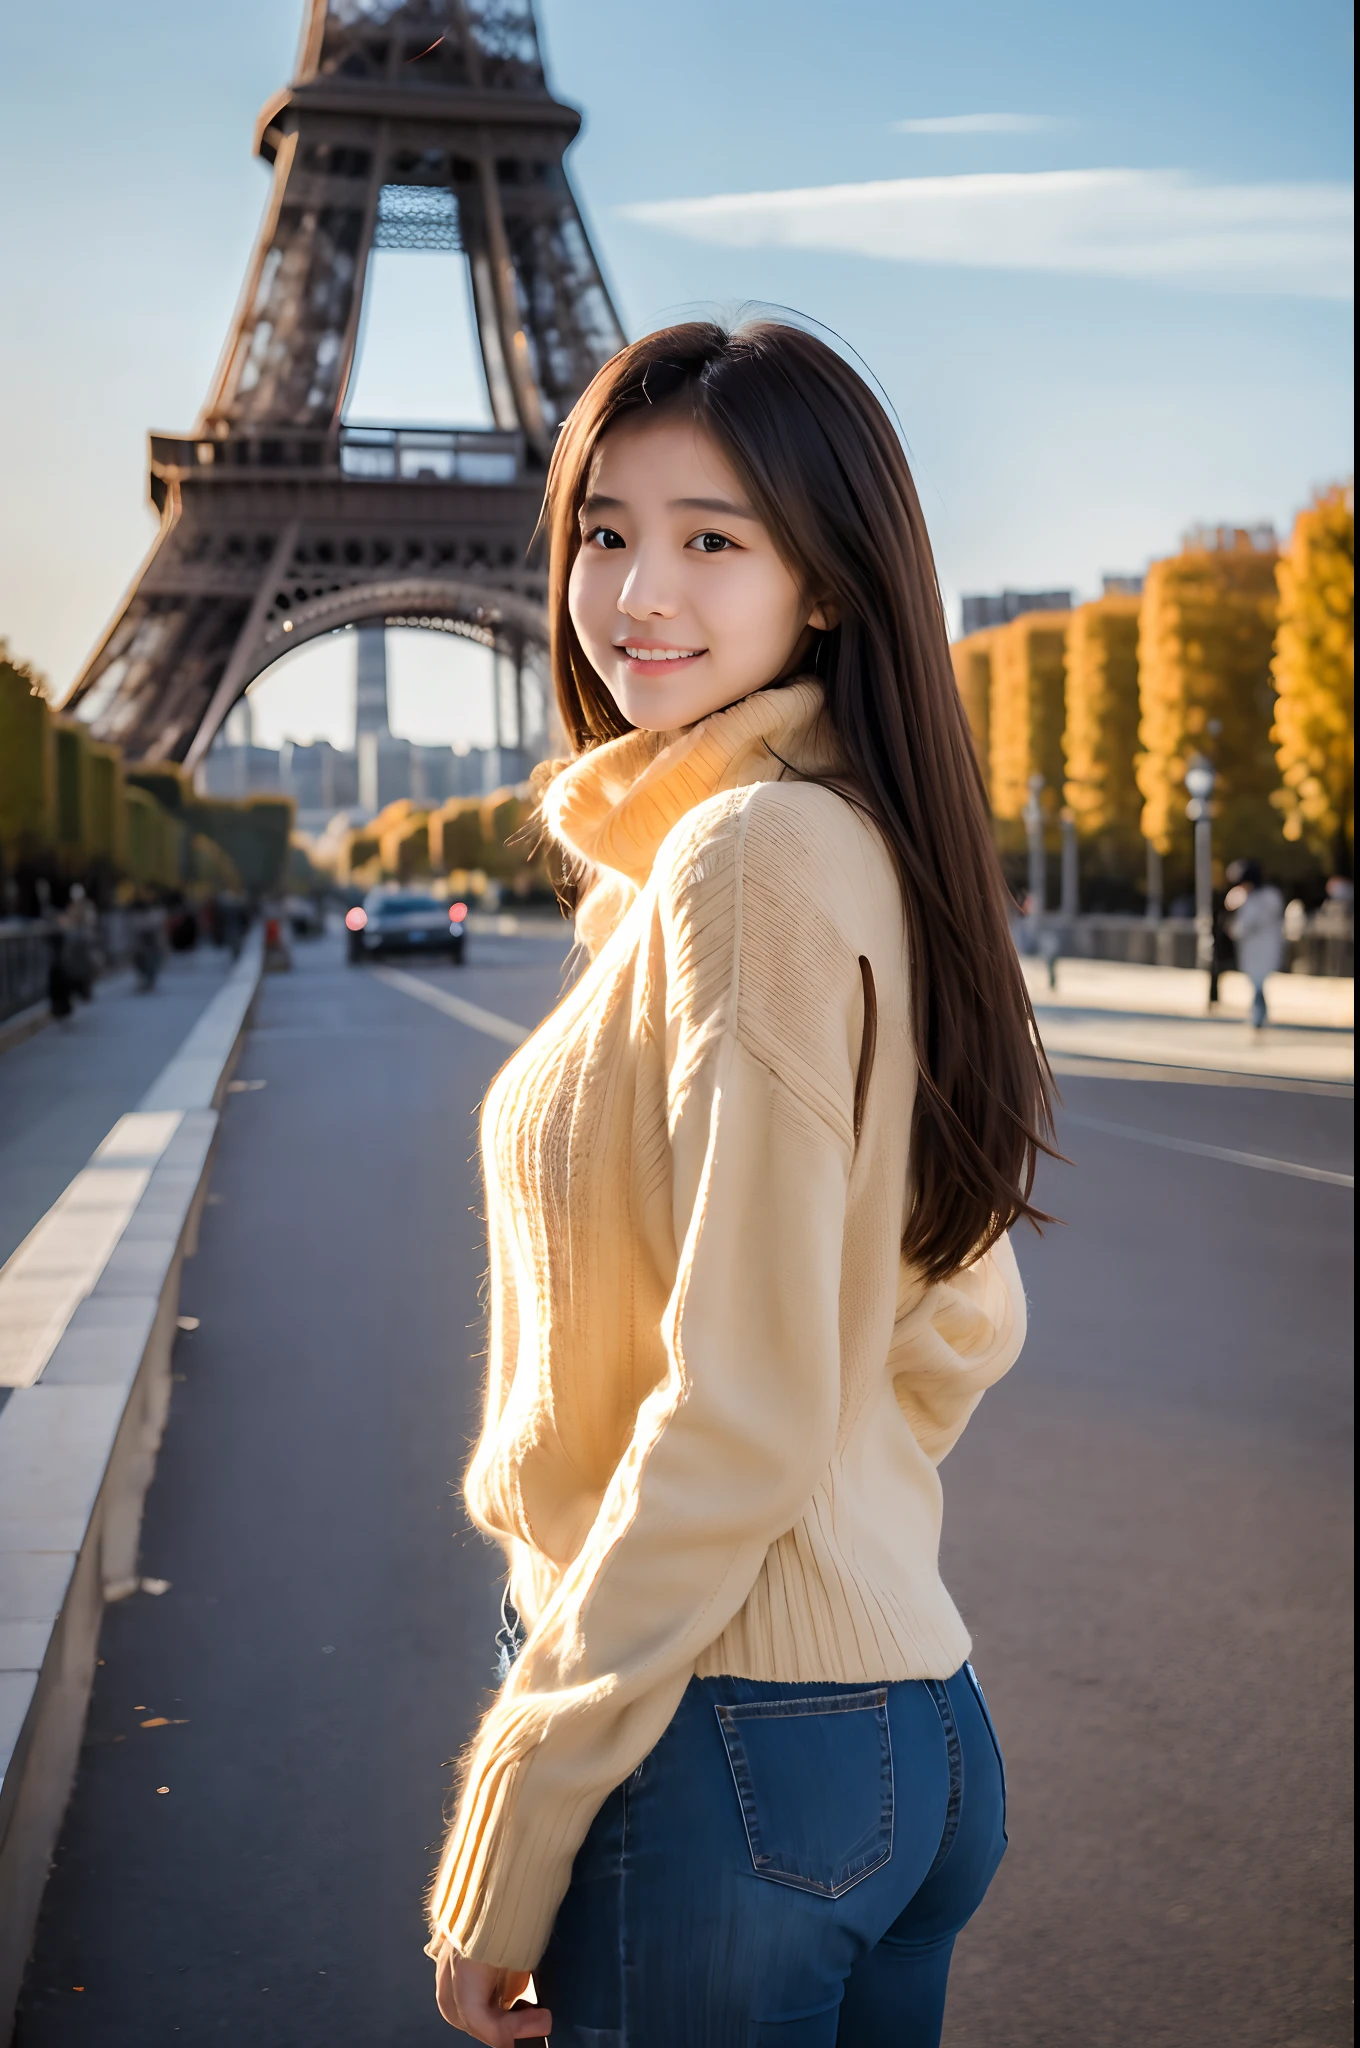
(409, 123)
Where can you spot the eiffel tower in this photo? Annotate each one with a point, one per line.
(411, 124)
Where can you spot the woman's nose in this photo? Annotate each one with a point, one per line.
(645, 594)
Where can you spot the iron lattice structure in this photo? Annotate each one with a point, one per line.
(412, 124)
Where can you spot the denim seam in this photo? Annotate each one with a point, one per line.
(817, 1703)
(623, 1919)
(986, 1711)
(954, 1752)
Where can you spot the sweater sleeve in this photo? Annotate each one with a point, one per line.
(954, 1340)
(726, 1449)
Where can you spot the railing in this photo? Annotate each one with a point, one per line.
(1326, 945)
(469, 455)
(435, 454)
(281, 448)
(25, 957)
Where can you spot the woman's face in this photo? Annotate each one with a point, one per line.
(678, 595)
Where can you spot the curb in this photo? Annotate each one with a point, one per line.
(87, 1307)
(24, 1023)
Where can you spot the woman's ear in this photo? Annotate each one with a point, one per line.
(824, 617)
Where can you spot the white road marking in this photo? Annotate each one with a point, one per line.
(1260, 1160)
(1082, 1064)
(478, 1019)
(471, 1014)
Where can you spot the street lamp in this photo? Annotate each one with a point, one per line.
(1199, 780)
(1071, 881)
(1154, 882)
(1038, 874)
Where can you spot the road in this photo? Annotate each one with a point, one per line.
(1146, 1526)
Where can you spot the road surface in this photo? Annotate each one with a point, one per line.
(1146, 1526)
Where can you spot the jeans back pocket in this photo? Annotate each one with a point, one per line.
(815, 1781)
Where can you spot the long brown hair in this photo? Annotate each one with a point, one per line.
(829, 479)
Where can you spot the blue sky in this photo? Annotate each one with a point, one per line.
(1063, 421)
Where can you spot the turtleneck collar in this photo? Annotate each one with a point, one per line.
(615, 805)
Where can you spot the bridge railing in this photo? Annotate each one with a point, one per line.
(25, 957)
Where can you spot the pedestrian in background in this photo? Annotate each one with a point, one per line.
(1255, 910)
(748, 1191)
(58, 980)
(78, 929)
(232, 921)
(148, 930)
(1222, 957)
(181, 923)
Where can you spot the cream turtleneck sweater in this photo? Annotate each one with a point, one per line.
(716, 1397)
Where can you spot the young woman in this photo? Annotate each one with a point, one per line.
(747, 1195)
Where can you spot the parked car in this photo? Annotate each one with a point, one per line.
(393, 921)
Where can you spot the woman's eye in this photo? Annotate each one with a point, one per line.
(711, 543)
(604, 537)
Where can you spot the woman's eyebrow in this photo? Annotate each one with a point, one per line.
(711, 505)
(596, 503)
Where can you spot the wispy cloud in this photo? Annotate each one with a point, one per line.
(977, 124)
(1291, 239)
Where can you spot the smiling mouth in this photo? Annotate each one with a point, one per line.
(638, 653)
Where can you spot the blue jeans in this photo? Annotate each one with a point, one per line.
(788, 1868)
(1258, 1002)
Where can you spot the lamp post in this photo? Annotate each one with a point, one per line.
(1154, 882)
(1199, 780)
(1038, 872)
(1071, 881)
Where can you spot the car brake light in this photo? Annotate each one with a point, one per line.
(355, 919)
(457, 912)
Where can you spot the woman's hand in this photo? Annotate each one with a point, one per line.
(477, 1998)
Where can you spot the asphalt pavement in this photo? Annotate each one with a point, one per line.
(1146, 1526)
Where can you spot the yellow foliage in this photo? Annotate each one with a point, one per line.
(209, 866)
(151, 839)
(25, 758)
(1101, 735)
(361, 852)
(504, 815)
(1028, 662)
(973, 674)
(412, 849)
(68, 811)
(1314, 732)
(105, 833)
(403, 840)
(456, 839)
(1204, 647)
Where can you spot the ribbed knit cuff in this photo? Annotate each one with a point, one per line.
(504, 1875)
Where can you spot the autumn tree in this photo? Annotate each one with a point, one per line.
(456, 837)
(26, 770)
(1100, 738)
(1029, 667)
(972, 657)
(1314, 669)
(1205, 640)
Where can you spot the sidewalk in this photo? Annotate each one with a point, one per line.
(1112, 1010)
(62, 1090)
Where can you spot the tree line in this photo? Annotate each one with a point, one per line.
(72, 810)
(1241, 654)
